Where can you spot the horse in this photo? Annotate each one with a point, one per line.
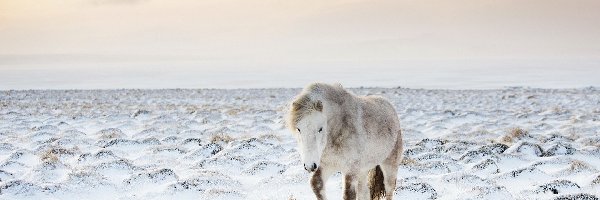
(338, 131)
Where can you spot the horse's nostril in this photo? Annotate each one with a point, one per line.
(314, 166)
(306, 168)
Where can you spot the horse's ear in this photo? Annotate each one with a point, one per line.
(319, 106)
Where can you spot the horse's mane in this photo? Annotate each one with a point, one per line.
(310, 98)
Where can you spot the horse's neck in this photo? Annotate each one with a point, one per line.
(337, 101)
(336, 111)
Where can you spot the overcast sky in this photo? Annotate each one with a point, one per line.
(250, 36)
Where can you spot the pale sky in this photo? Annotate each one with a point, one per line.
(138, 36)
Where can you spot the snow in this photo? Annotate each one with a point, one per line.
(513, 143)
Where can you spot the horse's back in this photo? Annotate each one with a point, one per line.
(380, 105)
(379, 102)
(379, 116)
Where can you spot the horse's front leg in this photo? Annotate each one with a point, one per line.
(350, 183)
(318, 180)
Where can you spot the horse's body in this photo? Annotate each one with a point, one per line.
(339, 131)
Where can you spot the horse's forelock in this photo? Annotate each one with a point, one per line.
(302, 106)
(310, 99)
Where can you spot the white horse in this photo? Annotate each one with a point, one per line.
(359, 136)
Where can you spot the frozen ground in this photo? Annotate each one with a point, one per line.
(514, 143)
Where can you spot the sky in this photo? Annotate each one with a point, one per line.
(58, 44)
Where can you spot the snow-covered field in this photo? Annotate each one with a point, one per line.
(515, 143)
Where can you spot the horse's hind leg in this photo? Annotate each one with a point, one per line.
(390, 173)
(390, 168)
(362, 189)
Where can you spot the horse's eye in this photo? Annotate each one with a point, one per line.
(320, 129)
(298, 130)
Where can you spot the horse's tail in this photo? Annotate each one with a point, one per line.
(376, 185)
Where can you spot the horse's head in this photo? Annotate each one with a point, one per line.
(309, 125)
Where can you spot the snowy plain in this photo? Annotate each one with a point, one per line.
(512, 143)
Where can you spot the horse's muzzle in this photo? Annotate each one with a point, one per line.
(310, 168)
